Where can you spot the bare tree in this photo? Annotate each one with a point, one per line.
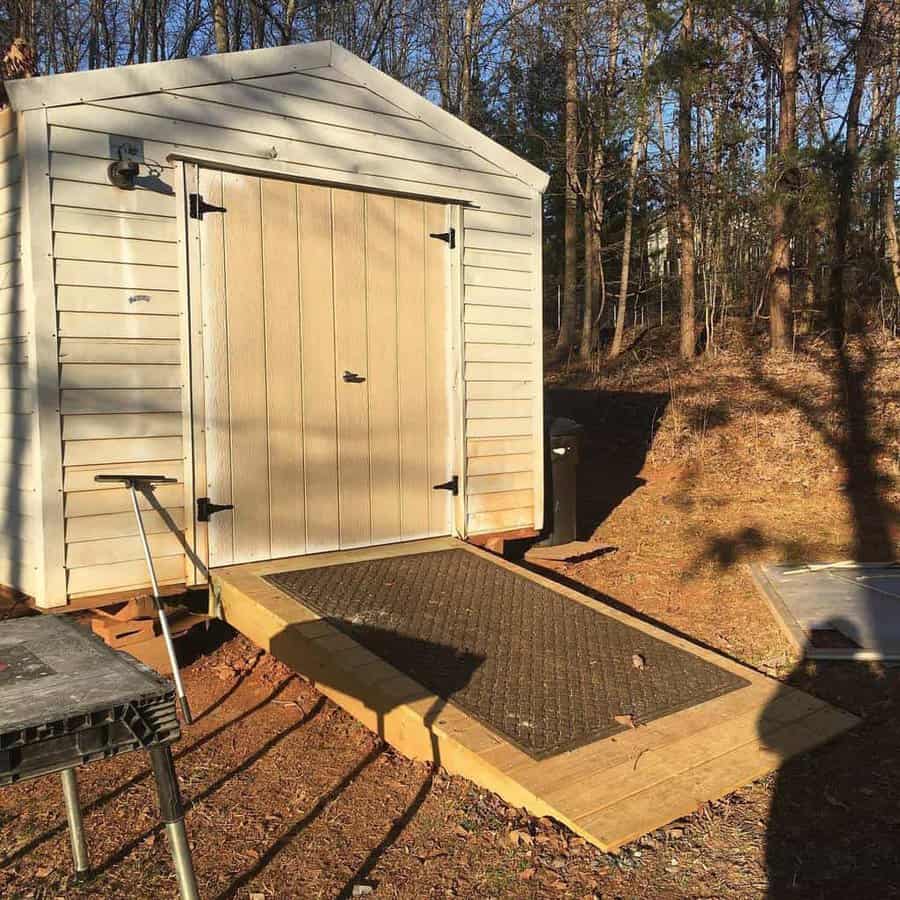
(787, 177)
(847, 166)
(889, 177)
(570, 62)
(685, 181)
(592, 189)
(638, 146)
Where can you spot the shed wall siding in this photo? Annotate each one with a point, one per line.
(19, 538)
(116, 263)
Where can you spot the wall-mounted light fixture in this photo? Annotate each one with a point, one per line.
(123, 173)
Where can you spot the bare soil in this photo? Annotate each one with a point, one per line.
(689, 473)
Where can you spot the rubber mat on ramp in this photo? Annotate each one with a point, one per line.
(546, 672)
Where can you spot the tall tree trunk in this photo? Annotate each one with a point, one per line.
(257, 25)
(637, 149)
(814, 234)
(443, 39)
(220, 25)
(595, 190)
(471, 28)
(153, 25)
(671, 217)
(889, 174)
(846, 179)
(685, 208)
(94, 34)
(788, 176)
(567, 319)
(638, 143)
(590, 280)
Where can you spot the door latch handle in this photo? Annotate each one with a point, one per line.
(353, 378)
(205, 508)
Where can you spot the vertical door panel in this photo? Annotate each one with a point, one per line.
(437, 381)
(317, 351)
(352, 357)
(215, 356)
(281, 274)
(411, 341)
(384, 413)
(301, 283)
(246, 366)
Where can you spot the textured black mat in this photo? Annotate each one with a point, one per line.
(546, 672)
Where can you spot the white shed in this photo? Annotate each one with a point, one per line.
(320, 298)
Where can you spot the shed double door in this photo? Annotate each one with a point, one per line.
(326, 343)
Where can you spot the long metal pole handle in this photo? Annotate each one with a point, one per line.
(161, 613)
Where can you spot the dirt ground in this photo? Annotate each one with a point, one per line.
(688, 474)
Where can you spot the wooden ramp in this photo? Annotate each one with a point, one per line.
(609, 791)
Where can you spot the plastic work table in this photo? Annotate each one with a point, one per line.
(66, 699)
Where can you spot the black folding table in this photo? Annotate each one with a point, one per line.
(66, 699)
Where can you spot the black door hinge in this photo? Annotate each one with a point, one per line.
(449, 237)
(205, 509)
(197, 206)
(452, 485)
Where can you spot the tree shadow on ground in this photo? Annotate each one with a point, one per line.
(619, 427)
(297, 647)
(834, 825)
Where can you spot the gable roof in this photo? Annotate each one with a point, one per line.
(145, 78)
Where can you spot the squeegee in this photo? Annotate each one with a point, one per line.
(145, 484)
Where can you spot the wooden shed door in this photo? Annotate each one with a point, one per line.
(326, 336)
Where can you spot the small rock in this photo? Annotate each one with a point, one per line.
(675, 833)
(362, 890)
(257, 896)
(627, 720)
(638, 660)
(558, 862)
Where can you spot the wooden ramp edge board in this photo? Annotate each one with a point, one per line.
(610, 791)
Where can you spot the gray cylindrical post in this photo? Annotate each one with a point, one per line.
(171, 811)
(76, 826)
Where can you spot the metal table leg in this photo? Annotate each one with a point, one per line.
(76, 826)
(171, 811)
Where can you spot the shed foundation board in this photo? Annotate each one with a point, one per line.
(844, 610)
(610, 790)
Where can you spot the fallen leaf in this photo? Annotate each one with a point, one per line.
(514, 838)
(627, 720)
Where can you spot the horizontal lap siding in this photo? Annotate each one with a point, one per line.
(502, 371)
(19, 540)
(116, 270)
(117, 282)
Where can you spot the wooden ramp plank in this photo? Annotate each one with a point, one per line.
(610, 791)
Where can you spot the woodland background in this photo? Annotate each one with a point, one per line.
(711, 162)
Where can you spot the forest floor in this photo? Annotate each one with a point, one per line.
(688, 474)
